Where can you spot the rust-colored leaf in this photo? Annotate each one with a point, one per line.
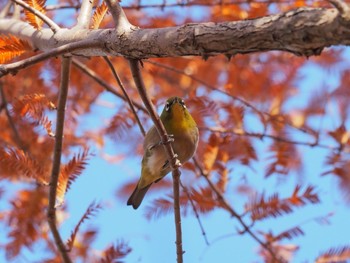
(211, 152)
(92, 209)
(70, 172)
(98, 16)
(19, 164)
(11, 47)
(341, 254)
(263, 207)
(34, 20)
(115, 253)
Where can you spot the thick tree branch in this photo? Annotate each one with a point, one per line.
(136, 73)
(51, 212)
(304, 31)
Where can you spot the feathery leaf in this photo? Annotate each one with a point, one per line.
(92, 209)
(11, 46)
(115, 253)
(98, 16)
(70, 172)
(34, 20)
(341, 254)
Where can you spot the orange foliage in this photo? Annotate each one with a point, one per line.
(34, 20)
(250, 127)
(98, 16)
(11, 47)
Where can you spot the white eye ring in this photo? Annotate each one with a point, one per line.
(183, 103)
(167, 106)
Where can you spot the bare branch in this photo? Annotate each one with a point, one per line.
(210, 39)
(92, 74)
(4, 12)
(84, 14)
(261, 113)
(195, 212)
(136, 73)
(126, 96)
(14, 67)
(4, 103)
(120, 20)
(53, 26)
(16, 12)
(51, 212)
(270, 136)
(164, 5)
(343, 8)
(230, 209)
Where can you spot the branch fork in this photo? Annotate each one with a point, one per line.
(343, 9)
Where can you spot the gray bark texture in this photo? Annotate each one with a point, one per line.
(303, 32)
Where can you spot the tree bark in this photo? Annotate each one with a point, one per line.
(303, 32)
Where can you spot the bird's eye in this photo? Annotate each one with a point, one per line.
(182, 102)
(167, 106)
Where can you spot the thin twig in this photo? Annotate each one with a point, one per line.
(16, 12)
(136, 73)
(269, 136)
(53, 26)
(242, 101)
(85, 13)
(51, 212)
(4, 12)
(229, 208)
(126, 96)
(181, 72)
(6, 69)
(4, 103)
(195, 212)
(92, 74)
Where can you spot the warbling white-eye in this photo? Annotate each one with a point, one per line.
(183, 130)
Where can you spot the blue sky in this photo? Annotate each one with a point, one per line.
(154, 240)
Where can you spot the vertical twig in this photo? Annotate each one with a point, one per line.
(17, 137)
(4, 12)
(136, 73)
(85, 13)
(129, 101)
(195, 212)
(120, 20)
(51, 212)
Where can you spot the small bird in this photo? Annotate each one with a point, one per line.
(183, 131)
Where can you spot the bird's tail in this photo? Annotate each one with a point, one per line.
(137, 196)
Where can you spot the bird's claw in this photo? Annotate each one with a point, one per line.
(169, 138)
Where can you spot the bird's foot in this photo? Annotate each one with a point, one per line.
(169, 138)
(177, 163)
